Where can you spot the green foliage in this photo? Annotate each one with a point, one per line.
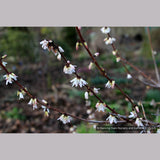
(18, 42)
(15, 113)
(153, 94)
(83, 128)
(98, 80)
(69, 36)
(127, 91)
(76, 93)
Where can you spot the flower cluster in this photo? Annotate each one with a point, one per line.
(138, 122)
(45, 109)
(69, 68)
(133, 114)
(10, 78)
(105, 30)
(110, 84)
(33, 101)
(78, 82)
(65, 119)
(21, 93)
(50, 46)
(101, 107)
(112, 119)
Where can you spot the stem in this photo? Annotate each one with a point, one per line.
(153, 56)
(124, 62)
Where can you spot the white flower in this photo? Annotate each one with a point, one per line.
(86, 95)
(65, 119)
(90, 65)
(59, 56)
(105, 30)
(21, 93)
(60, 49)
(91, 116)
(110, 84)
(69, 68)
(138, 122)
(96, 90)
(45, 109)
(112, 119)
(44, 44)
(114, 52)
(109, 40)
(33, 102)
(78, 81)
(10, 77)
(4, 63)
(129, 76)
(118, 59)
(133, 114)
(101, 107)
(89, 111)
(96, 54)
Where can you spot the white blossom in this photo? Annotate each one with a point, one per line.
(109, 40)
(110, 84)
(112, 119)
(60, 49)
(138, 122)
(10, 78)
(96, 90)
(89, 111)
(78, 81)
(44, 44)
(59, 56)
(86, 95)
(65, 119)
(21, 93)
(129, 76)
(101, 107)
(45, 109)
(133, 114)
(33, 102)
(96, 54)
(105, 30)
(118, 59)
(4, 63)
(91, 116)
(90, 65)
(69, 69)
(114, 52)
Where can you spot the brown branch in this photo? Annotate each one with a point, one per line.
(101, 69)
(124, 62)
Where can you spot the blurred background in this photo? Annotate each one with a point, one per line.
(42, 74)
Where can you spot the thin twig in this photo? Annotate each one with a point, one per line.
(153, 56)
